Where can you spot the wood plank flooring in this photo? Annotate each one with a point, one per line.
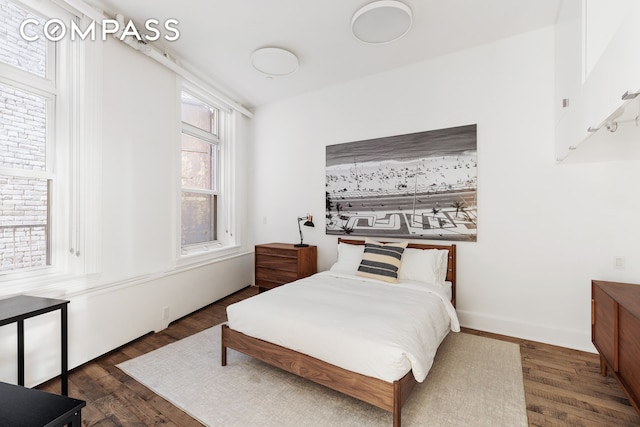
(563, 387)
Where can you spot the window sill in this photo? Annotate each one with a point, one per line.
(206, 254)
(49, 284)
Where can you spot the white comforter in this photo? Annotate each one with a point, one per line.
(362, 325)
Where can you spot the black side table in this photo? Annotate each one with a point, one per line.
(16, 309)
(27, 407)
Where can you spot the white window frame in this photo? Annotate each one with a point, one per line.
(70, 156)
(226, 242)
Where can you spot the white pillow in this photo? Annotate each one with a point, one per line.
(424, 265)
(349, 257)
(443, 265)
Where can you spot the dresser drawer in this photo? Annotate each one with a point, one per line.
(629, 353)
(604, 325)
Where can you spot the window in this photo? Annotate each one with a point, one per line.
(40, 166)
(27, 103)
(202, 142)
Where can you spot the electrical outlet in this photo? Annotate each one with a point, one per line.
(165, 313)
(619, 262)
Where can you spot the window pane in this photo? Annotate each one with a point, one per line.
(198, 163)
(24, 222)
(198, 219)
(199, 171)
(14, 50)
(23, 129)
(199, 114)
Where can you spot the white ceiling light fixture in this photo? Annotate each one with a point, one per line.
(381, 22)
(274, 61)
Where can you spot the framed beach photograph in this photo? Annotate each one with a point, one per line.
(421, 185)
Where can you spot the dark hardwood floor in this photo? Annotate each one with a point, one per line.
(563, 387)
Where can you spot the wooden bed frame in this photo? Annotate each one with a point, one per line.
(383, 394)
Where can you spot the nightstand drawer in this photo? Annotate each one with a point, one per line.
(277, 262)
(277, 250)
(273, 275)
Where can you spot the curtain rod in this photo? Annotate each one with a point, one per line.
(150, 51)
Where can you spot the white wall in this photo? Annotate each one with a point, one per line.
(138, 276)
(544, 230)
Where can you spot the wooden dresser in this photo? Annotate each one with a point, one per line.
(280, 263)
(615, 331)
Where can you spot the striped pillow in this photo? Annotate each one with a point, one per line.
(381, 261)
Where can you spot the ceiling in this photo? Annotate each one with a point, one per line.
(217, 37)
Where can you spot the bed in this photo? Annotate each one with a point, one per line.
(283, 328)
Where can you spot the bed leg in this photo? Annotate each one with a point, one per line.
(397, 404)
(223, 355)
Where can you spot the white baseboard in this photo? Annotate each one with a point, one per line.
(569, 338)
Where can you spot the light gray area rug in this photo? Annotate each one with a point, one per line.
(475, 381)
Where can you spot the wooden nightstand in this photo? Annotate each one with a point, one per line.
(280, 263)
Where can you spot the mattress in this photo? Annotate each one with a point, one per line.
(363, 325)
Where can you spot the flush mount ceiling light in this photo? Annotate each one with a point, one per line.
(381, 22)
(274, 62)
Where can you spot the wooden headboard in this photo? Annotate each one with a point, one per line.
(451, 262)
